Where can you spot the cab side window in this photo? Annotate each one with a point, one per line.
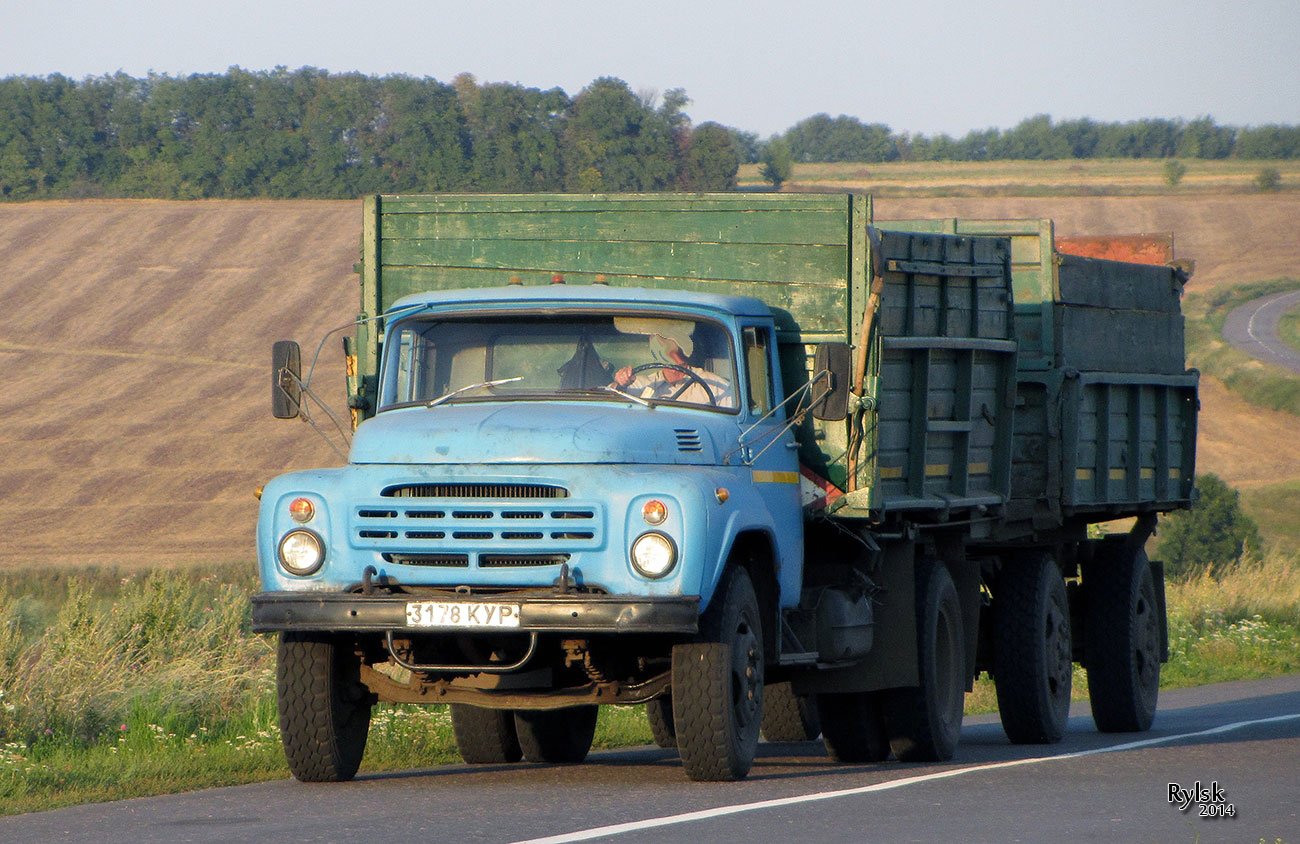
(758, 369)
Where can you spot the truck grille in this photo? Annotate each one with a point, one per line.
(481, 532)
(508, 491)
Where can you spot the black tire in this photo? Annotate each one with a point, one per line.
(557, 736)
(1122, 653)
(924, 722)
(788, 716)
(853, 727)
(485, 736)
(1033, 667)
(718, 686)
(660, 714)
(324, 709)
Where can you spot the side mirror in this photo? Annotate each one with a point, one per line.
(836, 359)
(286, 370)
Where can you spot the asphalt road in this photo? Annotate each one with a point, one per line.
(1252, 327)
(1244, 737)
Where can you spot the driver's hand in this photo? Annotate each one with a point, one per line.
(623, 377)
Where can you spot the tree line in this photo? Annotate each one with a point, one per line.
(310, 133)
(845, 138)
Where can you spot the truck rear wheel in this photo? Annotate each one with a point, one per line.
(924, 722)
(659, 712)
(1033, 665)
(485, 736)
(788, 716)
(718, 686)
(324, 708)
(558, 736)
(1122, 657)
(853, 727)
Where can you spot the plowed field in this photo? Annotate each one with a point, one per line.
(135, 423)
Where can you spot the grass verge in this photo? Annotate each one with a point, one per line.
(1288, 328)
(1276, 509)
(1257, 382)
(114, 687)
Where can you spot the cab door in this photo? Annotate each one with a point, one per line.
(771, 452)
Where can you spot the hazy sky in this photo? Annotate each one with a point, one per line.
(916, 65)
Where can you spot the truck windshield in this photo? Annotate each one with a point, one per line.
(652, 358)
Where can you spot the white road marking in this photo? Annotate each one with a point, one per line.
(721, 811)
(1250, 324)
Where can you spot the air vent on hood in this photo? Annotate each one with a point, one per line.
(688, 439)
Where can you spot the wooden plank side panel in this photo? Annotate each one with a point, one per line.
(791, 251)
(816, 226)
(799, 309)
(803, 264)
(567, 202)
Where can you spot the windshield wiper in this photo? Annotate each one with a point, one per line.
(624, 395)
(442, 398)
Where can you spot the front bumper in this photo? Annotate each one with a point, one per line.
(349, 612)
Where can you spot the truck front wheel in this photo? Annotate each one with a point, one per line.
(485, 736)
(1122, 653)
(1032, 663)
(324, 708)
(558, 736)
(718, 686)
(924, 722)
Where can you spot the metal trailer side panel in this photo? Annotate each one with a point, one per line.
(1129, 443)
(1033, 277)
(941, 380)
(1106, 410)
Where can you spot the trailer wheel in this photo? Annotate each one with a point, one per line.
(718, 686)
(324, 708)
(660, 714)
(1122, 653)
(853, 726)
(485, 736)
(924, 722)
(558, 736)
(788, 716)
(1032, 661)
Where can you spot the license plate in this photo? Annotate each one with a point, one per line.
(461, 614)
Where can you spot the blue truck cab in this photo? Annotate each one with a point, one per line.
(503, 455)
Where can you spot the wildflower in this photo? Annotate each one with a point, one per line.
(121, 728)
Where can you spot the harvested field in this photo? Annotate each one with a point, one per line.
(136, 424)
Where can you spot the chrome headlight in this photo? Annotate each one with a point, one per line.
(301, 552)
(654, 554)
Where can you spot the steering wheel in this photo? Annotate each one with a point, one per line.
(683, 370)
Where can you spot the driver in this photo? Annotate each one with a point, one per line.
(667, 377)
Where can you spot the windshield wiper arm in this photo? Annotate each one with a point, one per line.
(442, 398)
(624, 395)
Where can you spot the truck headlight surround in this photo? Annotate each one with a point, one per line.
(302, 552)
(654, 554)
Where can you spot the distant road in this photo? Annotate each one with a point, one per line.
(1243, 738)
(1253, 329)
